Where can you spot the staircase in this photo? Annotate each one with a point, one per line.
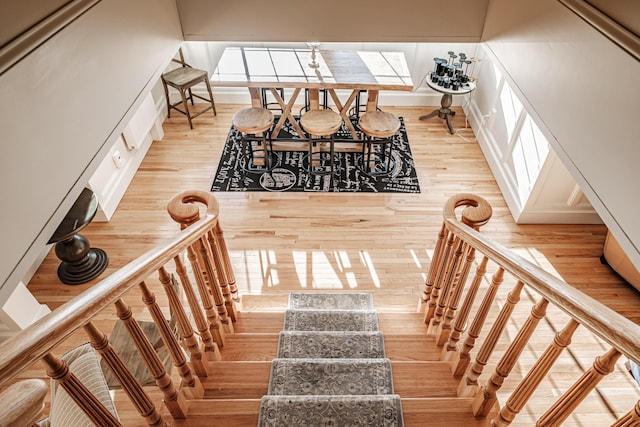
(330, 366)
(237, 384)
(435, 370)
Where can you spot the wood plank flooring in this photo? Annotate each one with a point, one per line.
(380, 243)
(281, 242)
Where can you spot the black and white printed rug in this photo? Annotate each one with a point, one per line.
(290, 170)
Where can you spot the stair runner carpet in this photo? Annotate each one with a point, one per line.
(330, 368)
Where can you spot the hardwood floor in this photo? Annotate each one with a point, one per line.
(382, 243)
(379, 242)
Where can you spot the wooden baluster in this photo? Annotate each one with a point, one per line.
(141, 400)
(210, 346)
(169, 339)
(221, 270)
(630, 419)
(560, 411)
(183, 210)
(463, 358)
(476, 213)
(531, 381)
(198, 358)
(448, 285)
(469, 385)
(204, 261)
(436, 260)
(174, 401)
(444, 330)
(485, 401)
(451, 349)
(443, 268)
(215, 325)
(224, 253)
(58, 370)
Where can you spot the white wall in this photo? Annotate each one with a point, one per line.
(112, 178)
(582, 88)
(333, 20)
(536, 185)
(64, 106)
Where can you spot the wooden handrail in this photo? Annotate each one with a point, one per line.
(34, 342)
(605, 323)
(22, 403)
(442, 289)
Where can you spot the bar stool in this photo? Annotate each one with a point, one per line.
(253, 123)
(321, 124)
(324, 100)
(360, 107)
(264, 92)
(379, 128)
(183, 79)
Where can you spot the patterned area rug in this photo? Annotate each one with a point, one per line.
(330, 320)
(332, 411)
(333, 372)
(331, 301)
(331, 344)
(290, 170)
(330, 376)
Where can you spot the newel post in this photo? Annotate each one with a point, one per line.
(212, 249)
(449, 268)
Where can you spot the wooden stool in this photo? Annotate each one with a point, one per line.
(253, 123)
(183, 79)
(321, 124)
(274, 106)
(359, 107)
(379, 128)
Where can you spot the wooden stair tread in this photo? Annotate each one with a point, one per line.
(222, 412)
(272, 322)
(250, 346)
(264, 346)
(402, 323)
(383, 301)
(450, 411)
(423, 379)
(250, 379)
(237, 379)
(259, 322)
(411, 347)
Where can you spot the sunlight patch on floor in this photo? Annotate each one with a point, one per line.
(366, 259)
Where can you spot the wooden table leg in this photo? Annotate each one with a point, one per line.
(256, 98)
(344, 109)
(372, 100)
(286, 113)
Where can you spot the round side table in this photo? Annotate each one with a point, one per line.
(80, 262)
(445, 112)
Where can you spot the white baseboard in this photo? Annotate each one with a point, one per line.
(420, 97)
(559, 217)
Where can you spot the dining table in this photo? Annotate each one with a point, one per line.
(312, 70)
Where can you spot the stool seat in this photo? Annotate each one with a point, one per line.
(183, 77)
(253, 123)
(321, 122)
(252, 120)
(379, 124)
(379, 128)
